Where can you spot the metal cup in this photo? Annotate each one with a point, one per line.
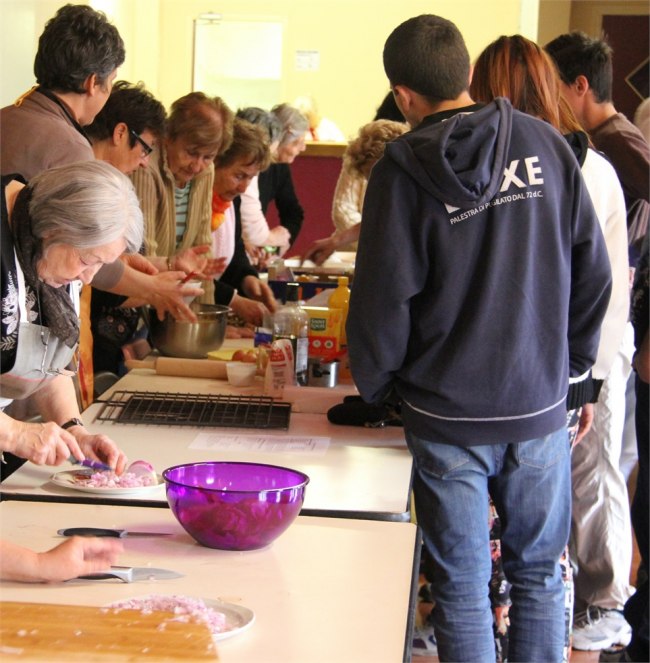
(322, 373)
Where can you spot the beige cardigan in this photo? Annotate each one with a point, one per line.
(155, 188)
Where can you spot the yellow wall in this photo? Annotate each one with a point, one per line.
(554, 19)
(349, 35)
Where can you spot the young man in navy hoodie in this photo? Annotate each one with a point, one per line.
(480, 285)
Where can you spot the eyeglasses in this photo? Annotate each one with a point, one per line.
(146, 148)
(45, 340)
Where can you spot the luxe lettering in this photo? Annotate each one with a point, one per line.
(532, 173)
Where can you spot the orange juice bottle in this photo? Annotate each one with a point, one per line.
(340, 298)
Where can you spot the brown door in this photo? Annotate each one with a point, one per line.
(628, 36)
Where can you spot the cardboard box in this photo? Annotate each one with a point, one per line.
(324, 331)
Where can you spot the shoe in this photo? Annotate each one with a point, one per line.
(616, 654)
(597, 628)
(424, 641)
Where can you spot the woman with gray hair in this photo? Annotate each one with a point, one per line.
(56, 232)
(275, 184)
(258, 237)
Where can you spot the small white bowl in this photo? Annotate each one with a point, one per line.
(240, 373)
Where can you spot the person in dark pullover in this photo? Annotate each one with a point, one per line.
(486, 302)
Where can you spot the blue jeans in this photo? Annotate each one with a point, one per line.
(530, 485)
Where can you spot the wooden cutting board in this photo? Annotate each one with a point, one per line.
(39, 631)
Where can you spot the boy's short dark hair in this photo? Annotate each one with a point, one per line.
(133, 105)
(76, 43)
(578, 54)
(427, 54)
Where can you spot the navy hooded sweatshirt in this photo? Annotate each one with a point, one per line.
(481, 278)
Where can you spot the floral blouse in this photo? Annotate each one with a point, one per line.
(9, 295)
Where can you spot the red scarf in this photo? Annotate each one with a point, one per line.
(219, 207)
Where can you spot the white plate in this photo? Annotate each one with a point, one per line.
(238, 617)
(66, 480)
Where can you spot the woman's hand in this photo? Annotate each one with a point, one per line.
(239, 332)
(138, 262)
(248, 309)
(256, 254)
(586, 419)
(79, 555)
(166, 295)
(42, 444)
(196, 260)
(73, 557)
(49, 444)
(256, 289)
(101, 448)
(320, 250)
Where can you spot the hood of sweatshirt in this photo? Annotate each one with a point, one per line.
(463, 167)
(579, 144)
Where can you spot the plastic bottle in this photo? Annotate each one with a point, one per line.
(292, 322)
(340, 298)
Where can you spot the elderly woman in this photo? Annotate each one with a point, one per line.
(234, 170)
(275, 184)
(57, 231)
(175, 188)
(360, 156)
(257, 235)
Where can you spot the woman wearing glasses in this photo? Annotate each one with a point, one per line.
(56, 232)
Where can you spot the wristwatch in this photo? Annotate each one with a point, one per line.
(72, 422)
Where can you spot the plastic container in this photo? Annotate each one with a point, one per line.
(340, 299)
(292, 323)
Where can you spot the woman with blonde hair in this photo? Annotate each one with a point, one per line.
(360, 156)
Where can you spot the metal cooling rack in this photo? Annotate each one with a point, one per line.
(176, 409)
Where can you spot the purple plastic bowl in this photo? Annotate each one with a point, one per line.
(234, 506)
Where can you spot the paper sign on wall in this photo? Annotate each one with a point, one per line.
(307, 60)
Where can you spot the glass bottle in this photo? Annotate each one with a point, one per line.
(292, 322)
(340, 298)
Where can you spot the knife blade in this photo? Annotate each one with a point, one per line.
(132, 574)
(106, 531)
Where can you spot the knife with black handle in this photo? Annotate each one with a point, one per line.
(103, 531)
(132, 574)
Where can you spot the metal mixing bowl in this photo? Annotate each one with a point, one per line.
(191, 340)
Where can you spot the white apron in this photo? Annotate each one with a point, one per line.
(40, 355)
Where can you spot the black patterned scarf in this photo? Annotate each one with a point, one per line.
(55, 306)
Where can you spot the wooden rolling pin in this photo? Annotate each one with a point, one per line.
(188, 368)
